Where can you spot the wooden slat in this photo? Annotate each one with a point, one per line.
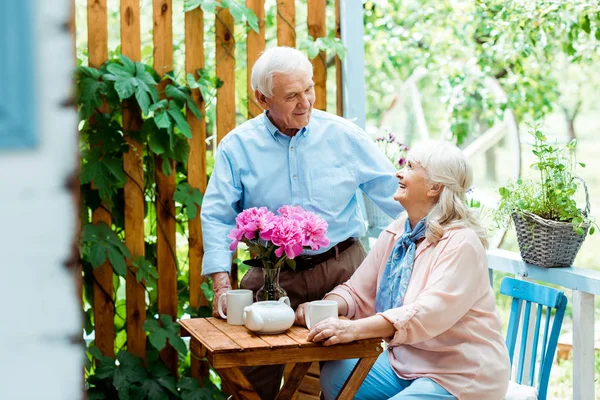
(104, 310)
(104, 307)
(240, 335)
(97, 20)
(206, 333)
(133, 191)
(255, 44)
(299, 334)
(286, 23)
(317, 29)
(339, 83)
(311, 385)
(370, 348)
(306, 396)
(315, 369)
(165, 185)
(194, 60)
(238, 384)
(356, 378)
(279, 341)
(197, 178)
(293, 380)
(225, 66)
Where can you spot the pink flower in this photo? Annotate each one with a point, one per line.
(248, 223)
(287, 234)
(291, 211)
(314, 229)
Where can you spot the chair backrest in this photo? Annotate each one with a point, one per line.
(547, 300)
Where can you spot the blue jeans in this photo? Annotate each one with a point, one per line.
(380, 383)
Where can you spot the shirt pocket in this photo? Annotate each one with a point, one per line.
(332, 188)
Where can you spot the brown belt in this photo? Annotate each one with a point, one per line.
(307, 262)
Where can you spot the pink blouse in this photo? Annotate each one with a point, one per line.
(448, 329)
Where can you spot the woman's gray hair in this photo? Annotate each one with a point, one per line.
(445, 164)
(277, 60)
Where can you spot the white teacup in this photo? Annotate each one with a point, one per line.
(236, 301)
(318, 310)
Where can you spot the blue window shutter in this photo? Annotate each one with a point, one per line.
(17, 102)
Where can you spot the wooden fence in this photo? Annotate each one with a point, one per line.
(195, 41)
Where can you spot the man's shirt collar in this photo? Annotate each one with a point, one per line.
(272, 129)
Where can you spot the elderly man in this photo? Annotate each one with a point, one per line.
(293, 155)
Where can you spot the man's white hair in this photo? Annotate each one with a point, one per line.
(445, 164)
(278, 60)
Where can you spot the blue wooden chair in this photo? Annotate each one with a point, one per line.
(548, 301)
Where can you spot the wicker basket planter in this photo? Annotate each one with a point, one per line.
(547, 243)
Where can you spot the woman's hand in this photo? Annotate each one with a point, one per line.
(333, 331)
(301, 314)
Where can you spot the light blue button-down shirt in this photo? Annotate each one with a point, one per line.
(320, 169)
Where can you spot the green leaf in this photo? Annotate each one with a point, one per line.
(208, 6)
(161, 119)
(159, 333)
(118, 262)
(180, 121)
(592, 230)
(190, 389)
(90, 90)
(158, 139)
(145, 270)
(582, 165)
(97, 256)
(585, 24)
(126, 87)
(190, 197)
(105, 171)
(183, 97)
(120, 71)
(291, 263)
(504, 192)
(241, 13)
(156, 335)
(130, 371)
(166, 166)
(127, 63)
(99, 241)
(207, 290)
(153, 390)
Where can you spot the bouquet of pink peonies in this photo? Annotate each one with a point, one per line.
(277, 239)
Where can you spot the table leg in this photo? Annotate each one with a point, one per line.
(238, 384)
(356, 378)
(293, 381)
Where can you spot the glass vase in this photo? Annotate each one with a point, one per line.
(270, 289)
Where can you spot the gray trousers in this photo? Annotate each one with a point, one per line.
(301, 287)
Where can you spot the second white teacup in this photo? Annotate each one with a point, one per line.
(236, 301)
(318, 310)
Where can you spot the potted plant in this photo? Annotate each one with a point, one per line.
(550, 227)
(396, 153)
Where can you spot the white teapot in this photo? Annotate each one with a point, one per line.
(269, 317)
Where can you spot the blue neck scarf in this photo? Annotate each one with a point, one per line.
(398, 269)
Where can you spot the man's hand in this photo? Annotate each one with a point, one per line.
(301, 314)
(333, 331)
(221, 285)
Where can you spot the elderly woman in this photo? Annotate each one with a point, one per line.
(425, 288)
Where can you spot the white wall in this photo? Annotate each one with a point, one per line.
(40, 314)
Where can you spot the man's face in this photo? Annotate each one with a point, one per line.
(292, 101)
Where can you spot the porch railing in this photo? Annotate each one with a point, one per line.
(584, 284)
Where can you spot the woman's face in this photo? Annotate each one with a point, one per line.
(413, 189)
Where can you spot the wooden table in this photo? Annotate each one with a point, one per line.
(229, 347)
